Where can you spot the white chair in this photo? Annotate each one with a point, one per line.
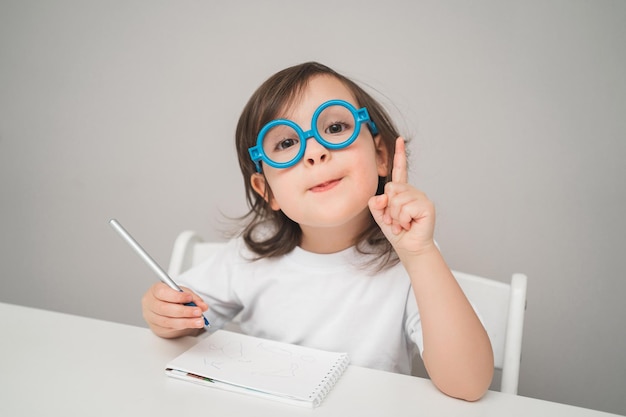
(189, 250)
(502, 306)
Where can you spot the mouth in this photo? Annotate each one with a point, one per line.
(325, 186)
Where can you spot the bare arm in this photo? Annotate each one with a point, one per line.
(457, 351)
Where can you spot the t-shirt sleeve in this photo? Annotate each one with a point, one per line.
(413, 322)
(213, 280)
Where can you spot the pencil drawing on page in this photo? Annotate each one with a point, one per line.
(258, 358)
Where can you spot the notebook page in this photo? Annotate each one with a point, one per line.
(259, 364)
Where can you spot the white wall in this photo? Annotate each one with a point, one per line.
(516, 109)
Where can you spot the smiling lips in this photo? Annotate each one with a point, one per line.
(325, 186)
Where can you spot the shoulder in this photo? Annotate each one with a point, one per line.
(234, 250)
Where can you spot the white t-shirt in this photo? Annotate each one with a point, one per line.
(327, 302)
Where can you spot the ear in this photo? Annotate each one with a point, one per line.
(382, 156)
(260, 186)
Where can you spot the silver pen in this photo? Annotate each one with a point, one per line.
(151, 262)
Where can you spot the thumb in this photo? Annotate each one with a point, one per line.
(196, 299)
(377, 205)
(200, 303)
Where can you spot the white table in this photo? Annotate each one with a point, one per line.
(54, 364)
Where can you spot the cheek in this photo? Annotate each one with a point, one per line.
(372, 182)
(280, 191)
(366, 176)
(376, 166)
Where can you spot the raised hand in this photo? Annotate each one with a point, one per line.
(404, 214)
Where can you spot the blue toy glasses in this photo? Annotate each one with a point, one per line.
(335, 125)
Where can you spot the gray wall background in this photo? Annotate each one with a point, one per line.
(516, 110)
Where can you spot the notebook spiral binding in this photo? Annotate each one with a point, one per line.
(329, 381)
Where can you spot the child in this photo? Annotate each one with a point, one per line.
(338, 252)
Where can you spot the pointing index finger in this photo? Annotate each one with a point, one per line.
(399, 171)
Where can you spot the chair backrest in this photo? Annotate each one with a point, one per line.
(502, 306)
(189, 250)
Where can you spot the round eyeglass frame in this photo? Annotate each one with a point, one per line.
(257, 154)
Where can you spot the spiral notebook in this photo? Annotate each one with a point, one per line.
(280, 371)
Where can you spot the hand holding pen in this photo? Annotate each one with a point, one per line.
(170, 311)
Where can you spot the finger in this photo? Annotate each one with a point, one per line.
(168, 302)
(196, 299)
(164, 293)
(173, 307)
(402, 206)
(173, 323)
(399, 171)
(408, 205)
(176, 311)
(377, 205)
(169, 316)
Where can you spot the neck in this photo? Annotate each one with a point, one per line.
(333, 239)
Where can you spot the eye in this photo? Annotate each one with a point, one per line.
(286, 143)
(336, 128)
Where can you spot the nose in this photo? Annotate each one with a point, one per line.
(315, 153)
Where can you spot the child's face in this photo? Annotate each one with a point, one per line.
(326, 188)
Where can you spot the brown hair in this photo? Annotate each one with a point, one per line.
(271, 233)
